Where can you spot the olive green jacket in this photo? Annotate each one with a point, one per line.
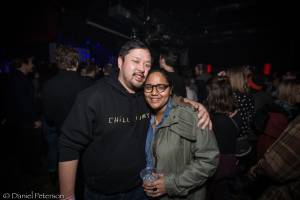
(185, 154)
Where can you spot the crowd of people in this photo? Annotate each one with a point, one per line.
(227, 135)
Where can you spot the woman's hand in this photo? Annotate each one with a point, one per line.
(155, 188)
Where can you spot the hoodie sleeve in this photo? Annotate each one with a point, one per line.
(77, 130)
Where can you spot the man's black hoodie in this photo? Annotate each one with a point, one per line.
(109, 126)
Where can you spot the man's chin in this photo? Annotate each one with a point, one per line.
(137, 84)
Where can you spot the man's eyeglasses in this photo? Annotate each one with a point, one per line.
(148, 88)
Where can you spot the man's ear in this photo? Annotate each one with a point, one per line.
(120, 62)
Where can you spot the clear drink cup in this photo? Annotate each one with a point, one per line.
(149, 174)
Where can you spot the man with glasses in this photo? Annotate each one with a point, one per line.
(108, 123)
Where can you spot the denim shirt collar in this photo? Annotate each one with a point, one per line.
(151, 132)
(165, 115)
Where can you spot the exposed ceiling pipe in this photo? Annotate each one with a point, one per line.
(106, 29)
(233, 6)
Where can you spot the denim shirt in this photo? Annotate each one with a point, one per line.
(151, 132)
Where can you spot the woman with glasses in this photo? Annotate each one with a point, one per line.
(183, 154)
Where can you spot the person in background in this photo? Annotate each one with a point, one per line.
(108, 69)
(283, 110)
(242, 98)
(279, 166)
(185, 154)
(257, 84)
(245, 103)
(190, 92)
(246, 140)
(23, 154)
(226, 122)
(201, 78)
(90, 72)
(168, 61)
(58, 96)
(190, 86)
(21, 110)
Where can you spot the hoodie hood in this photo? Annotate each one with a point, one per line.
(116, 84)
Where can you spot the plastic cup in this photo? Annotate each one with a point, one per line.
(149, 174)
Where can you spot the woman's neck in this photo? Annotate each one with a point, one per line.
(157, 118)
(159, 115)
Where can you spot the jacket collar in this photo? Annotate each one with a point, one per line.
(177, 124)
(171, 118)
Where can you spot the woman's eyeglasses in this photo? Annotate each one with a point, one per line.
(148, 88)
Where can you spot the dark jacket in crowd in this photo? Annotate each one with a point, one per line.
(178, 84)
(280, 165)
(110, 124)
(59, 94)
(201, 90)
(245, 103)
(279, 115)
(20, 104)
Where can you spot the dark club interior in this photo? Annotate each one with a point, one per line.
(208, 38)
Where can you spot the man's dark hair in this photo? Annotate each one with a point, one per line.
(131, 44)
(170, 55)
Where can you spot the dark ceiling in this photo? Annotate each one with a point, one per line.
(192, 21)
(223, 30)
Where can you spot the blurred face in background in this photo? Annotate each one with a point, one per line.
(198, 70)
(28, 66)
